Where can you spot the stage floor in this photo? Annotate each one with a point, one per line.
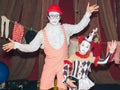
(33, 85)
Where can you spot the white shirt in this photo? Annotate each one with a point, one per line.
(55, 35)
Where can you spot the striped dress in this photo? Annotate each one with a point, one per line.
(80, 71)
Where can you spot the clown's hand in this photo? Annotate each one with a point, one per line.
(93, 8)
(8, 46)
(112, 46)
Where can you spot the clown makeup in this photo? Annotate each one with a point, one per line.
(84, 47)
(54, 17)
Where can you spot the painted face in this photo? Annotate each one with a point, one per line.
(84, 47)
(54, 18)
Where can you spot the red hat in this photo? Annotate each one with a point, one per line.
(54, 8)
(80, 39)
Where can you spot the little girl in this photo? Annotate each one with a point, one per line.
(76, 68)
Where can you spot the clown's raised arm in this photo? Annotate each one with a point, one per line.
(34, 45)
(112, 48)
(72, 29)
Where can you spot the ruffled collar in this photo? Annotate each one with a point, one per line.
(82, 56)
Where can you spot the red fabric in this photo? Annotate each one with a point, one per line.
(18, 32)
(115, 71)
(34, 73)
(5, 58)
(102, 33)
(82, 56)
(96, 61)
(104, 48)
(80, 39)
(96, 49)
(68, 12)
(68, 62)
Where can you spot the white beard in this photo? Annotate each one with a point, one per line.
(55, 35)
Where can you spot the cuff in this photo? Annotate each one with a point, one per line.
(88, 14)
(16, 45)
(96, 61)
(65, 80)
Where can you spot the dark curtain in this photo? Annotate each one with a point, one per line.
(107, 20)
(116, 13)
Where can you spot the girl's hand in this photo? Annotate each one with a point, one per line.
(71, 83)
(112, 46)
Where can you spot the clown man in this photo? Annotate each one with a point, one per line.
(76, 68)
(54, 39)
